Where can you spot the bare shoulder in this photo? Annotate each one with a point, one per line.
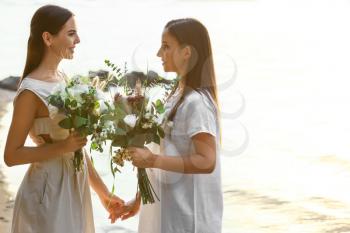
(27, 102)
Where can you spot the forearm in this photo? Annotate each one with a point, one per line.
(25, 155)
(95, 180)
(192, 164)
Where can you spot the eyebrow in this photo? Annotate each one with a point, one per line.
(72, 30)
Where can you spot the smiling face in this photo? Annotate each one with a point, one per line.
(63, 44)
(173, 55)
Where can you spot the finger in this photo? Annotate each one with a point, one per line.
(128, 215)
(132, 149)
(74, 133)
(81, 140)
(82, 144)
(119, 201)
(114, 218)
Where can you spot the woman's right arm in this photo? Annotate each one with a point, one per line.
(22, 120)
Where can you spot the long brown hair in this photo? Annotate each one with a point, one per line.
(48, 18)
(201, 74)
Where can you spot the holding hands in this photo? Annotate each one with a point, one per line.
(124, 211)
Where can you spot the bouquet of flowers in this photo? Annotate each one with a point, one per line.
(140, 127)
(82, 102)
(132, 119)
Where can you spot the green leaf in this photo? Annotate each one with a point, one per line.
(149, 138)
(107, 117)
(161, 132)
(96, 105)
(119, 112)
(112, 170)
(73, 103)
(120, 141)
(156, 139)
(94, 146)
(138, 140)
(159, 106)
(120, 131)
(79, 121)
(116, 169)
(66, 123)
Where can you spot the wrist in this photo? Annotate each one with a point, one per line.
(157, 161)
(62, 146)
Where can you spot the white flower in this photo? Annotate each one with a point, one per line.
(100, 95)
(147, 125)
(159, 119)
(76, 91)
(53, 111)
(130, 120)
(59, 88)
(148, 115)
(103, 106)
(109, 124)
(81, 88)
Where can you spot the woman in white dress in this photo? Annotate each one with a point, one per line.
(52, 197)
(186, 172)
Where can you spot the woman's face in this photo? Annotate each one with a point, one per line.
(64, 42)
(171, 53)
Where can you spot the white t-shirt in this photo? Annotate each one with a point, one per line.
(189, 203)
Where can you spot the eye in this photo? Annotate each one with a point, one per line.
(72, 33)
(164, 46)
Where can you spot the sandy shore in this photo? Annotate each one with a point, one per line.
(6, 198)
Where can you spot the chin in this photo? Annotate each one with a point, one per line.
(69, 57)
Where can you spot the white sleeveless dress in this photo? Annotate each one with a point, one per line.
(52, 198)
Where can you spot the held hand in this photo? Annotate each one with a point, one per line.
(74, 142)
(114, 205)
(132, 208)
(37, 140)
(142, 157)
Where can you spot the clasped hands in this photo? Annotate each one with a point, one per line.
(117, 208)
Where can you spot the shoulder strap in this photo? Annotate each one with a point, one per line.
(39, 90)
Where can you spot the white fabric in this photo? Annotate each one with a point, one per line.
(189, 203)
(52, 198)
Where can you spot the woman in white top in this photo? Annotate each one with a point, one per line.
(186, 172)
(52, 197)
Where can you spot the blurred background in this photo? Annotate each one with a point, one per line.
(282, 69)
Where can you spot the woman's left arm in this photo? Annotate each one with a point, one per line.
(201, 162)
(112, 203)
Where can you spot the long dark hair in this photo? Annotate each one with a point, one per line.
(200, 74)
(48, 18)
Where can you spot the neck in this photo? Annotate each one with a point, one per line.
(49, 65)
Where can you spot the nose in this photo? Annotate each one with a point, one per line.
(159, 53)
(77, 40)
